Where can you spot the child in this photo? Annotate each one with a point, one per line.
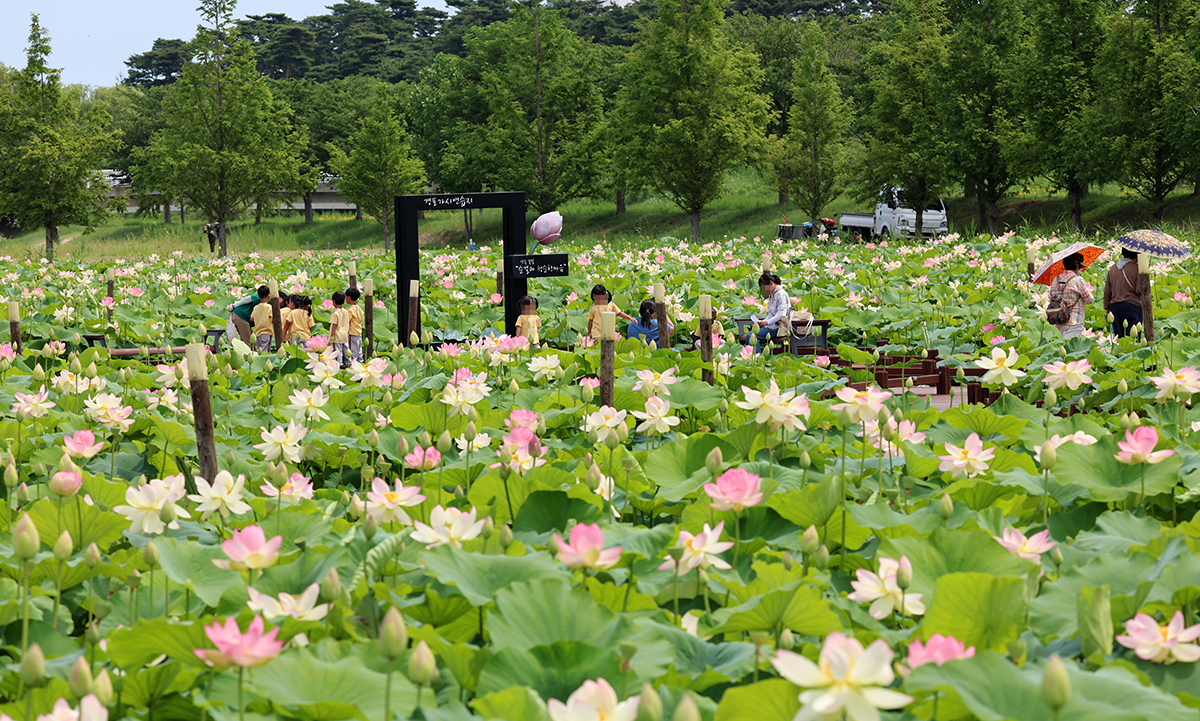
(602, 303)
(264, 331)
(339, 329)
(299, 322)
(285, 309)
(717, 329)
(646, 327)
(529, 323)
(356, 323)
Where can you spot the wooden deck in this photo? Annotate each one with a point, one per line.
(941, 402)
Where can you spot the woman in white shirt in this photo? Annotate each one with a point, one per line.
(778, 306)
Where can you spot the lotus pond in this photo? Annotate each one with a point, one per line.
(460, 530)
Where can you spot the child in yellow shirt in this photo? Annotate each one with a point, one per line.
(529, 323)
(339, 329)
(285, 310)
(262, 319)
(602, 303)
(356, 324)
(298, 327)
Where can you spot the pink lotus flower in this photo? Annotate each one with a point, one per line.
(327, 304)
(735, 490)
(66, 483)
(821, 361)
(525, 450)
(596, 700)
(7, 352)
(297, 488)
(862, 405)
(495, 299)
(592, 383)
(699, 551)
(317, 343)
(521, 418)
(136, 292)
(883, 592)
(747, 352)
(208, 303)
(1138, 447)
(423, 459)
(1030, 548)
(90, 709)
(82, 444)
(248, 650)
(937, 650)
(1179, 384)
(450, 350)
(847, 681)
(547, 228)
(386, 503)
(1072, 374)
(997, 340)
(971, 458)
(586, 549)
(1161, 644)
(249, 549)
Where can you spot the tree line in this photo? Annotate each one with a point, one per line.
(581, 98)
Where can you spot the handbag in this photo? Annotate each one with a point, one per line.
(1057, 312)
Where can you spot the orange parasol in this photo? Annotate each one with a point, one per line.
(1052, 268)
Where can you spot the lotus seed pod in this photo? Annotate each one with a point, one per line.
(80, 678)
(810, 541)
(1122, 387)
(1056, 684)
(150, 554)
(393, 634)
(506, 536)
(686, 710)
(822, 557)
(33, 666)
(715, 461)
(650, 707)
(92, 555)
(331, 586)
(25, 540)
(63, 547)
(422, 666)
(103, 688)
(946, 507)
(444, 442)
(1049, 457)
(788, 562)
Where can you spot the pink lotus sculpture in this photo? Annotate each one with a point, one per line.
(547, 228)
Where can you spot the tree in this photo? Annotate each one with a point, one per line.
(50, 154)
(689, 105)
(979, 95)
(1143, 73)
(1053, 75)
(907, 145)
(227, 142)
(380, 165)
(816, 143)
(161, 65)
(543, 108)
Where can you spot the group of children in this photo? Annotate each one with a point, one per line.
(345, 328)
(645, 326)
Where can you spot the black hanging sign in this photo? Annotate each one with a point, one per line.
(542, 265)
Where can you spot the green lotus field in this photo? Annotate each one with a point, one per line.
(457, 528)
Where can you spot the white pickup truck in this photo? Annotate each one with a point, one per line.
(891, 218)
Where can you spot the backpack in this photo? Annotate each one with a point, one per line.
(1057, 312)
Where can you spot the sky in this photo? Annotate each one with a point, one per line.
(92, 40)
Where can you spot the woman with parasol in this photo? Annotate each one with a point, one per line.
(1072, 294)
(1123, 293)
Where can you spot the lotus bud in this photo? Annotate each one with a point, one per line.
(25, 539)
(541, 427)
(92, 555)
(717, 418)
(946, 507)
(714, 461)
(33, 666)
(470, 433)
(1049, 457)
(822, 557)
(422, 667)
(92, 634)
(810, 541)
(11, 479)
(331, 586)
(459, 494)
(1056, 684)
(345, 498)
(594, 477)
(622, 432)
(1051, 398)
(414, 339)
(489, 527)
(1056, 555)
(63, 547)
(370, 526)
(91, 371)
(39, 374)
(960, 374)
(393, 634)
(1062, 351)
(373, 439)
(723, 406)
(76, 368)
(23, 493)
(388, 399)
(101, 608)
(424, 440)
(760, 638)
(150, 554)
(513, 386)
(805, 460)
(103, 688)
(845, 418)
(506, 536)
(587, 393)
(1122, 387)
(1110, 317)
(444, 442)
(686, 710)
(80, 678)
(472, 414)
(650, 706)
(402, 446)
(904, 574)
(134, 579)
(1133, 420)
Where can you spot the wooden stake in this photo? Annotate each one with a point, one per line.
(14, 325)
(706, 347)
(353, 274)
(1147, 298)
(368, 318)
(660, 311)
(608, 356)
(500, 276)
(112, 278)
(414, 310)
(202, 410)
(276, 316)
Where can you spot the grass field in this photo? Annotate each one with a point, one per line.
(749, 207)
